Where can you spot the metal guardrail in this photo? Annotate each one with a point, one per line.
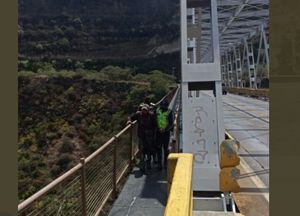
(176, 131)
(180, 174)
(85, 189)
(250, 92)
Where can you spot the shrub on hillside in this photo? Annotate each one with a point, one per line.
(67, 145)
(117, 73)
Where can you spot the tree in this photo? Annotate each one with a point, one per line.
(20, 31)
(58, 31)
(39, 48)
(64, 44)
(79, 65)
(117, 73)
(70, 31)
(77, 23)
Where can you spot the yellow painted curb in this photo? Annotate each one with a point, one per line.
(180, 173)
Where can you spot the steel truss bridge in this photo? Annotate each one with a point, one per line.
(244, 41)
(226, 37)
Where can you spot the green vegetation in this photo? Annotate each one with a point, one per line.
(65, 115)
(90, 35)
(163, 62)
(83, 67)
(97, 29)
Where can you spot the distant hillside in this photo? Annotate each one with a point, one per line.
(97, 29)
(66, 115)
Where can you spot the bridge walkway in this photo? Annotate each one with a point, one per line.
(142, 195)
(146, 194)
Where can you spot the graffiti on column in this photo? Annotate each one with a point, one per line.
(200, 144)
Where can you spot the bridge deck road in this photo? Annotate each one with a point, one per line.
(142, 195)
(247, 119)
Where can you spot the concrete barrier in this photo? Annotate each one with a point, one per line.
(180, 173)
(229, 153)
(229, 159)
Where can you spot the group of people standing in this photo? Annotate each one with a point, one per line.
(154, 127)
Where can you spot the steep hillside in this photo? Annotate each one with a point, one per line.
(70, 100)
(97, 29)
(66, 115)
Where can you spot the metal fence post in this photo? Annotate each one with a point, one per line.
(83, 191)
(130, 146)
(115, 168)
(178, 131)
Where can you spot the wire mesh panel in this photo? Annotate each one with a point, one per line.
(102, 170)
(123, 148)
(64, 199)
(99, 179)
(134, 140)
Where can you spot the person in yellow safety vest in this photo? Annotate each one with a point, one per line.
(164, 120)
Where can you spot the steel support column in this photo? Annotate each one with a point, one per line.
(223, 70)
(238, 66)
(230, 69)
(202, 114)
(266, 45)
(250, 64)
(227, 69)
(234, 73)
(263, 43)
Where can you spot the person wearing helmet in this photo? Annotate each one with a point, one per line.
(164, 120)
(146, 134)
(147, 101)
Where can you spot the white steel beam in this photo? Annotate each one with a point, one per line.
(202, 115)
(250, 64)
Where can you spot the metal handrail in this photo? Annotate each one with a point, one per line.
(47, 188)
(175, 134)
(26, 203)
(64, 176)
(84, 163)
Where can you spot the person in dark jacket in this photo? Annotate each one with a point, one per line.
(152, 107)
(146, 134)
(164, 118)
(147, 101)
